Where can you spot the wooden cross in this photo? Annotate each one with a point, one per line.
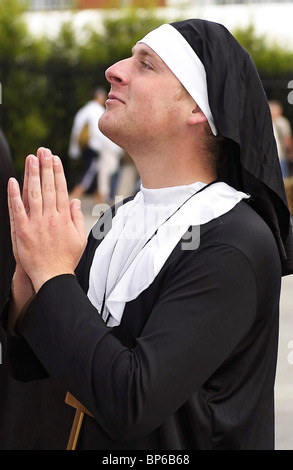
(77, 422)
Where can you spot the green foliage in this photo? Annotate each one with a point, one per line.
(269, 56)
(21, 116)
(121, 33)
(274, 63)
(12, 29)
(44, 82)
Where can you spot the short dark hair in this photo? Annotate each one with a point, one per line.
(98, 91)
(215, 148)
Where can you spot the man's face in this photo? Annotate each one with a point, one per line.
(145, 101)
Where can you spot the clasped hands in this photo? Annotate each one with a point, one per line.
(47, 230)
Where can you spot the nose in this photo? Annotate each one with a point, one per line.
(117, 73)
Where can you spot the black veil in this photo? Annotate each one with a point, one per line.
(242, 115)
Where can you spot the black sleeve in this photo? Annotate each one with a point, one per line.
(205, 309)
(22, 362)
(7, 263)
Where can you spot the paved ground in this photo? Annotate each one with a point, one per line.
(284, 379)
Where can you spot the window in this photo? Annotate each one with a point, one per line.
(50, 4)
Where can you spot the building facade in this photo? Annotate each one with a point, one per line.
(39, 5)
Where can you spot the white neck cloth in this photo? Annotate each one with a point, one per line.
(181, 59)
(144, 233)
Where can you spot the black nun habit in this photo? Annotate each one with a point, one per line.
(191, 363)
(242, 115)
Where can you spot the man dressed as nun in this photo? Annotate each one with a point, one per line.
(164, 323)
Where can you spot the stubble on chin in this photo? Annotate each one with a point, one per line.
(101, 123)
(108, 127)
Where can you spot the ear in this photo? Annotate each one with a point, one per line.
(196, 116)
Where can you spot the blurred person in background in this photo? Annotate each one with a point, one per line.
(283, 134)
(98, 153)
(108, 172)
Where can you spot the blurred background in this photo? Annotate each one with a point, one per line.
(53, 53)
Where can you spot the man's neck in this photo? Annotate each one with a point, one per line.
(161, 173)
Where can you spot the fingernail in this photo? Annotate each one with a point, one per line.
(56, 160)
(46, 154)
(77, 204)
(12, 182)
(34, 161)
(13, 185)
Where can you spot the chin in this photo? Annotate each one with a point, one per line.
(109, 129)
(102, 123)
(105, 126)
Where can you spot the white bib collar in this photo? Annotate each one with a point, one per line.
(144, 233)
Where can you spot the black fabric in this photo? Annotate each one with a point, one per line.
(192, 364)
(6, 256)
(242, 115)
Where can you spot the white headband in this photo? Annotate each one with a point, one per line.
(181, 59)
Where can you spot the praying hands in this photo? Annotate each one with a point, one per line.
(47, 230)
